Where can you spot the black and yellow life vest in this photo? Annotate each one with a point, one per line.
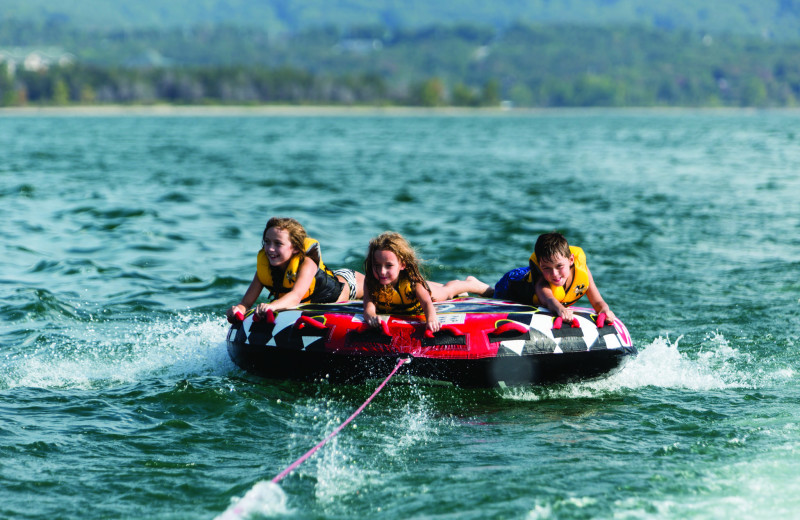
(402, 300)
(580, 279)
(325, 287)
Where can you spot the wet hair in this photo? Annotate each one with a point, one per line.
(296, 232)
(550, 245)
(397, 244)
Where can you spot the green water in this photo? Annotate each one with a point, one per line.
(125, 238)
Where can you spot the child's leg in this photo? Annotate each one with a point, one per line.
(353, 284)
(502, 289)
(453, 288)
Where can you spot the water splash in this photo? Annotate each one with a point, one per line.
(102, 353)
(662, 364)
(340, 473)
(342, 470)
(716, 365)
(264, 498)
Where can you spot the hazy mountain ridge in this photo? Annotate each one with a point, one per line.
(768, 18)
(631, 54)
(540, 66)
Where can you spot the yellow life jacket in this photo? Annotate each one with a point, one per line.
(402, 300)
(580, 279)
(325, 287)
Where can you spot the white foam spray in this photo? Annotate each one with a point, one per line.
(716, 365)
(264, 498)
(113, 353)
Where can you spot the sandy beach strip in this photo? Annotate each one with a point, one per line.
(240, 110)
(166, 110)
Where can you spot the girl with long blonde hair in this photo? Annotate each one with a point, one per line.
(393, 283)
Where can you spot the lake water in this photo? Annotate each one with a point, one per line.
(125, 237)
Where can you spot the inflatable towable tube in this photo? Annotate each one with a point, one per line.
(482, 343)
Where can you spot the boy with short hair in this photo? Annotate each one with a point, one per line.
(556, 278)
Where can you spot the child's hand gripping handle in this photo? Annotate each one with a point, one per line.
(450, 328)
(269, 317)
(236, 316)
(601, 320)
(560, 321)
(383, 325)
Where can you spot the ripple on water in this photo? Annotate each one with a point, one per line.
(125, 238)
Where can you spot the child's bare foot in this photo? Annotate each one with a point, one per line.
(479, 287)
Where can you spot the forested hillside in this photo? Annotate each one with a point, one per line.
(527, 65)
(775, 19)
(578, 53)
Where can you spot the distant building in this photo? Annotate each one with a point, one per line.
(34, 58)
(358, 46)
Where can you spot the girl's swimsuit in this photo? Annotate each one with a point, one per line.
(350, 277)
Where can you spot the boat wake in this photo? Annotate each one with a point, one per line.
(87, 355)
(713, 365)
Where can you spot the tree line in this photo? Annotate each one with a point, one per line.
(92, 85)
(525, 65)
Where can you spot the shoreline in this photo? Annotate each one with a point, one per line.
(242, 110)
(166, 110)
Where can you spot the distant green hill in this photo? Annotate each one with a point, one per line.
(465, 65)
(466, 53)
(778, 19)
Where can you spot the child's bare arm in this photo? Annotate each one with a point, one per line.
(598, 304)
(250, 296)
(547, 299)
(424, 297)
(370, 311)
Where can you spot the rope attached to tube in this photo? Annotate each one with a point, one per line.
(309, 453)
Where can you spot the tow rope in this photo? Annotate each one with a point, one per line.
(253, 499)
(309, 453)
